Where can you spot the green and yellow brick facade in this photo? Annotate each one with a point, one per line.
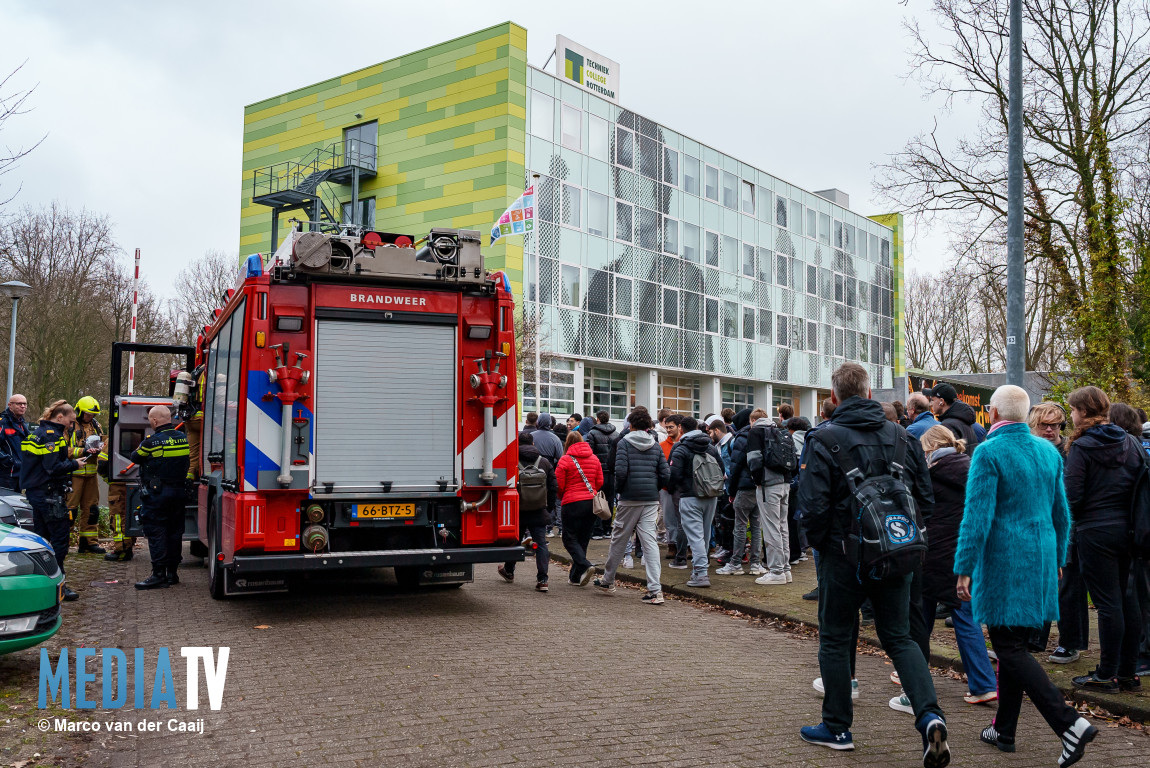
(450, 146)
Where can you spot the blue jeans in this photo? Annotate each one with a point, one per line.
(695, 517)
(971, 646)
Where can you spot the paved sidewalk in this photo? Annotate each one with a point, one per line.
(785, 602)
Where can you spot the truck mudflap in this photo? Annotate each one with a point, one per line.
(324, 561)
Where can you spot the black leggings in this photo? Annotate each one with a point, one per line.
(578, 520)
(1104, 555)
(1019, 673)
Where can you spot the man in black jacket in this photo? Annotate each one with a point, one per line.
(551, 448)
(601, 437)
(861, 429)
(13, 430)
(640, 471)
(534, 520)
(953, 413)
(741, 491)
(696, 513)
(163, 457)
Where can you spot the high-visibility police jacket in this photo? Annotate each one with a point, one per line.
(163, 456)
(46, 464)
(77, 447)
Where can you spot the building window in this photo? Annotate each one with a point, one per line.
(764, 203)
(862, 348)
(670, 307)
(748, 260)
(812, 336)
(692, 311)
(607, 390)
(839, 342)
(679, 395)
(765, 264)
(863, 245)
(624, 222)
(711, 246)
(542, 116)
(359, 145)
(729, 258)
(766, 326)
(623, 296)
(624, 147)
(712, 316)
(737, 396)
(730, 191)
(690, 175)
(796, 217)
(781, 211)
(572, 125)
(797, 328)
(670, 167)
(824, 229)
(366, 213)
(782, 330)
(730, 319)
(780, 396)
(670, 236)
(712, 183)
(649, 151)
(648, 229)
(780, 269)
(811, 223)
(571, 208)
(749, 323)
(691, 242)
(812, 279)
(598, 146)
(839, 297)
(552, 390)
(571, 292)
(598, 291)
(647, 302)
(849, 241)
(596, 213)
(748, 197)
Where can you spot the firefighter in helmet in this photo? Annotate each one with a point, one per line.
(163, 460)
(44, 474)
(122, 545)
(84, 501)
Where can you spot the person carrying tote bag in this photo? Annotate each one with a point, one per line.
(580, 478)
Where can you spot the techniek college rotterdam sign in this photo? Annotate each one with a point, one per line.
(586, 68)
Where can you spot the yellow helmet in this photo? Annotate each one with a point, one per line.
(88, 404)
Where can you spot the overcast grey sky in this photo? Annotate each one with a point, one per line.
(142, 102)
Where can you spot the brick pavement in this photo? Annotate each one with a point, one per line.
(353, 672)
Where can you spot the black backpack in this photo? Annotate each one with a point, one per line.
(1140, 508)
(772, 448)
(532, 486)
(884, 540)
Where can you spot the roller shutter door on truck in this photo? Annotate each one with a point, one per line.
(385, 404)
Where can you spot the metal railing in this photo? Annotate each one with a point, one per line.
(291, 175)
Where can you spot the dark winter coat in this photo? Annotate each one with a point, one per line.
(948, 481)
(571, 485)
(738, 475)
(958, 418)
(549, 445)
(600, 437)
(12, 434)
(859, 426)
(1101, 468)
(1015, 529)
(682, 459)
(532, 517)
(641, 469)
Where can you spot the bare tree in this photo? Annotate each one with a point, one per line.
(1087, 85)
(199, 289)
(12, 103)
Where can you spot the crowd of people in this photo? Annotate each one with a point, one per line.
(1004, 528)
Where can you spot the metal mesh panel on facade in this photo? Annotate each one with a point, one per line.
(647, 351)
(623, 340)
(693, 350)
(670, 271)
(669, 351)
(570, 332)
(598, 338)
(626, 185)
(784, 244)
(692, 276)
(782, 365)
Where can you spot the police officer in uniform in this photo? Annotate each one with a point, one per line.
(84, 501)
(163, 460)
(44, 476)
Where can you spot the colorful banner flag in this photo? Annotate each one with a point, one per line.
(517, 219)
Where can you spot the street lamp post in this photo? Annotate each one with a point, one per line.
(15, 290)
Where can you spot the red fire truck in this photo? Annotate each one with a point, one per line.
(360, 411)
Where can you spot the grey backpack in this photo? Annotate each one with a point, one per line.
(707, 476)
(532, 486)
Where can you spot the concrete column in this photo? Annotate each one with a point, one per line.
(763, 394)
(809, 404)
(579, 391)
(647, 389)
(710, 395)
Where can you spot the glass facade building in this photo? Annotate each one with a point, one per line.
(660, 270)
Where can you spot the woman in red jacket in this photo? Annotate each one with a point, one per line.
(580, 476)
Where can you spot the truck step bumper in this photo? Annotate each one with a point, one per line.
(325, 561)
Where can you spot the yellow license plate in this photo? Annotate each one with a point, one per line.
(362, 511)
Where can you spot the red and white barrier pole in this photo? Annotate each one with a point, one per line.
(135, 303)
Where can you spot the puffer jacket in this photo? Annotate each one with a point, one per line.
(571, 485)
(682, 458)
(948, 480)
(1101, 468)
(641, 469)
(958, 419)
(600, 438)
(738, 475)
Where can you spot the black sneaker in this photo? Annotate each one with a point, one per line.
(507, 575)
(70, 595)
(1063, 656)
(1095, 683)
(1130, 684)
(1074, 741)
(995, 739)
(173, 577)
(155, 581)
(812, 595)
(540, 586)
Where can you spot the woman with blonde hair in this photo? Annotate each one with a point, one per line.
(949, 464)
(1047, 420)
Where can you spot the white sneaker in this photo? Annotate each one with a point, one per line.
(894, 678)
(731, 569)
(854, 687)
(758, 570)
(901, 703)
(772, 578)
(628, 561)
(789, 577)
